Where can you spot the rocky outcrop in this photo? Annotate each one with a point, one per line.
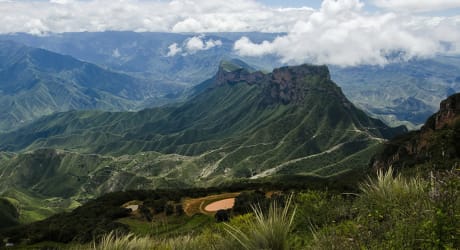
(449, 112)
(435, 145)
(293, 84)
(225, 76)
(285, 84)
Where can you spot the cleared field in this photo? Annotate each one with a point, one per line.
(222, 204)
(199, 205)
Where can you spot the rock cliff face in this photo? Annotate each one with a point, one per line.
(448, 113)
(286, 84)
(225, 76)
(436, 145)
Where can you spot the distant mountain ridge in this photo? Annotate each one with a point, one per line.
(35, 82)
(400, 93)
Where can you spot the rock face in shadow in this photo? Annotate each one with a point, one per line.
(449, 111)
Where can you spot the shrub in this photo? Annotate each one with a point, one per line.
(267, 230)
(393, 211)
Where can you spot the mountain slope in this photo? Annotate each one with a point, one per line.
(8, 214)
(433, 147)
(285, 125)
(36, 82)
(294, 112)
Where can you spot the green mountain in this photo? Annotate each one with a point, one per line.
(435, 146)
(35, 82)
(245, 125)
(297, 104)
(9, 214)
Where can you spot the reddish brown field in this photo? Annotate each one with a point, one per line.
(222, 204)
(199, 205)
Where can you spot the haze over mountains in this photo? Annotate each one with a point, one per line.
(399, 93)
(36, 82)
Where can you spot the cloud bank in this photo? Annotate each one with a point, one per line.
(417, 5)
(41, 17)
(341, 33)
(193, 45)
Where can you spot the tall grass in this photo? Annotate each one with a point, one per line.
(391, 187)
(267, 230)
(204, 241)
(112, 241)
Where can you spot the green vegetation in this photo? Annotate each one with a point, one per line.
(9, 214)
(266, 231)
(388, 211)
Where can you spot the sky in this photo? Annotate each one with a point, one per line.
(339, 32)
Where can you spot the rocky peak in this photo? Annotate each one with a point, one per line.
(292, 84)
(449, 110)
(290, 73)
(233, 75)
(285, 84)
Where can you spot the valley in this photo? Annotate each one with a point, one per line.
(293, 122)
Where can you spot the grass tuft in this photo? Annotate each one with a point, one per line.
(267, 230)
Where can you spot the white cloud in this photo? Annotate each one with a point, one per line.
(193, 45)
(116, 53)
(341, 33)
(174, 49)
(141, 15)
(61, 1)
(418, 5)
(197, 43)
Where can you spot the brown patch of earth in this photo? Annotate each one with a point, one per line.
(197, 205)
(220, 205)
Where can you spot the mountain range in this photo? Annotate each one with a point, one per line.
(240, 125)
(36, 82)
(400, 93)
(404, 93)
